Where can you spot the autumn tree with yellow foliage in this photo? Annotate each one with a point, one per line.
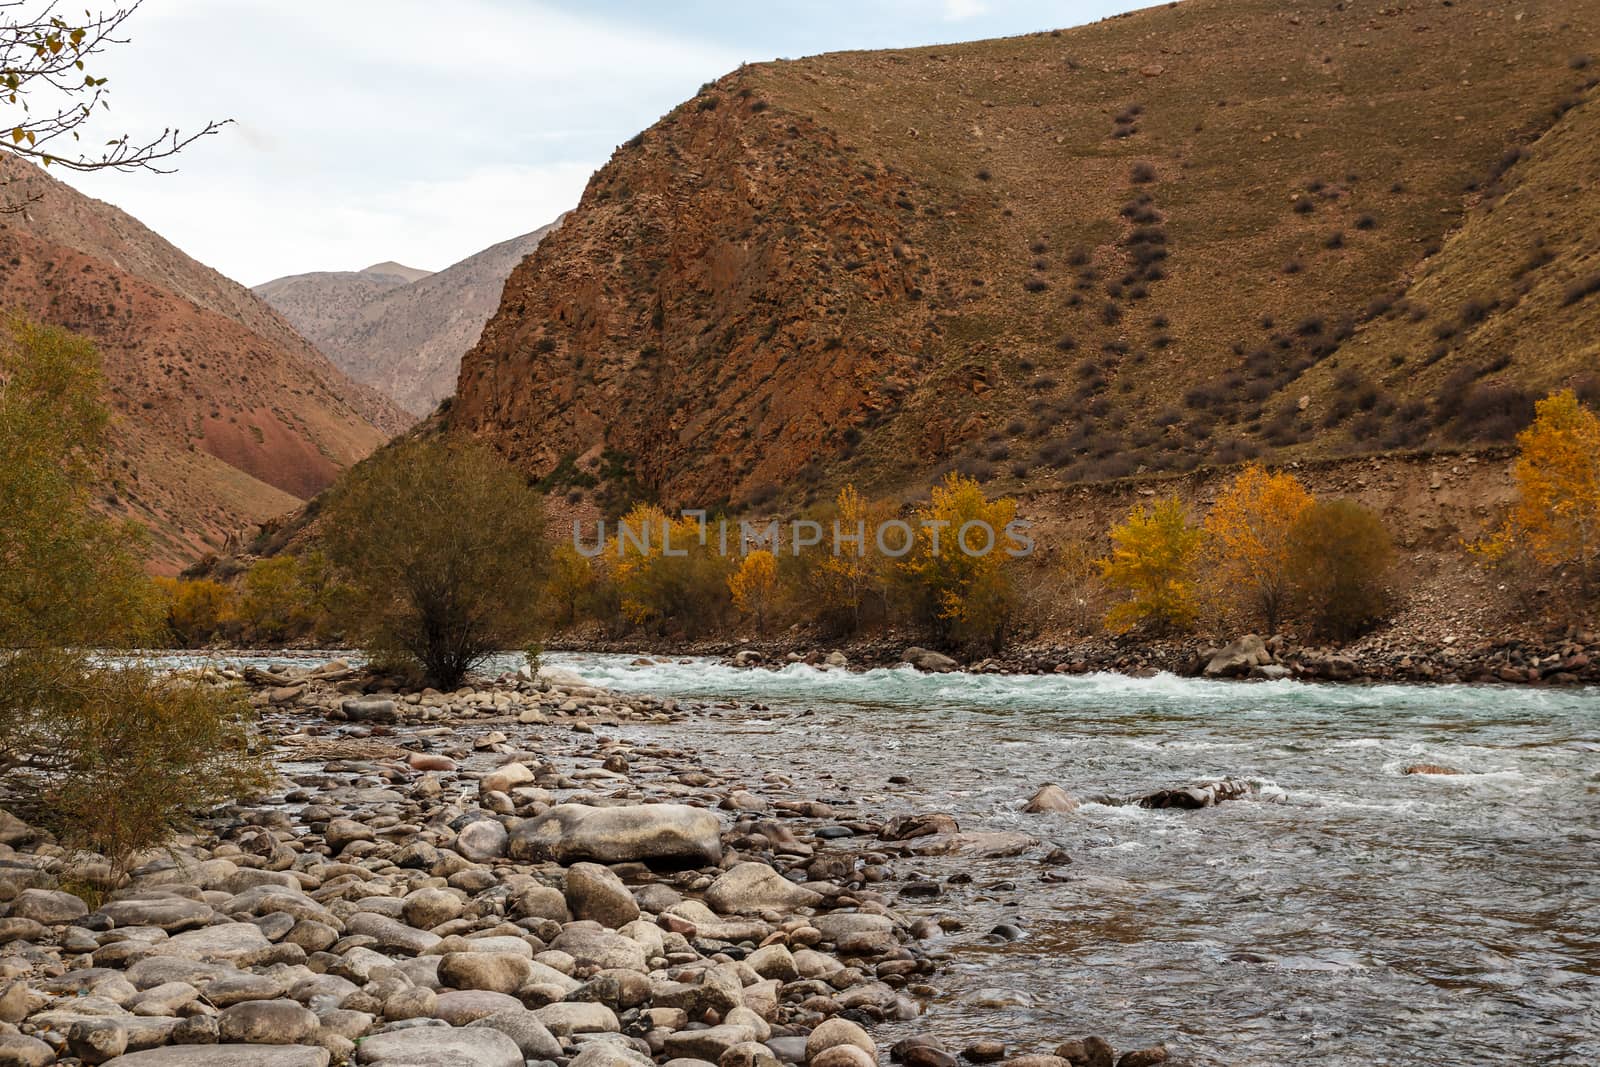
(1556, 519)
(1250, 543)
(840, 582)
(755, 586)
(956, 579)
(667, 574)
(1153, 559)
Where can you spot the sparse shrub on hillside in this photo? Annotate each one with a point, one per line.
(1556, 518)
(1581, 289)
(1492, 412)
(1338, 562)
(1078, 587)
(1248, 543)
(1153, 558)
(1142, 174)
(442, 546)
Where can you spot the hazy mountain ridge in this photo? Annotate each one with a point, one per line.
(401, 330)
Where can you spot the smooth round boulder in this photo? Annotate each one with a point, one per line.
(836, 1032)
(595, 892)
(749, 888)
(48, 907)
(427, 908)
(748, 1054)
(842, 1056)
(498, 972)
(1050, 798)
(440, 1046)
(532, 1036)
(267, 1022)
(482, 840)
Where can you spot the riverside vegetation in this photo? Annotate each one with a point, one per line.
(1266, 556)
(436, 892)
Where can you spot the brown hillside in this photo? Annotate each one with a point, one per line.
(1132, 245)
(215, 426)
(399, 330)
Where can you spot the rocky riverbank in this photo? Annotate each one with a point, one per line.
(491, 877)
(1571, 657)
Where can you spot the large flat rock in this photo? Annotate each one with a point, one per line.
(660, 834)
(226, 1056)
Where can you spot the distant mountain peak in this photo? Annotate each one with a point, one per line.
(399, 270)
(400, 330)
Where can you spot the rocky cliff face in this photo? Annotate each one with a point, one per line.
(223, 416)
(399, 330)
(1178, 237)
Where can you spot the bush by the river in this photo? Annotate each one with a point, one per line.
(114, 759)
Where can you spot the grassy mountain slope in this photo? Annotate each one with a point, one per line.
(215, 426)
(1181, 236)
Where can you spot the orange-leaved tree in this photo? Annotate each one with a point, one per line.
(755, 586)
(1250, 543)
(1153, 558)
(1556, 519)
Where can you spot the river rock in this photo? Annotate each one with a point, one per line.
(48, 907)
(375, 710)
(533, 1038)
(905, 827)
(172, 914)
(458, 1007)
(749, 888)
(1050, 798)
(267, 1022)
(437, 1046)
(835, 1032)
(427, 908)
(610, 1054)
(1198, 795)
(594, 892)
(1238, 658)
(17, 1050)
(1087, 1052)
(230, 1055)
(499, 972)
(1143, 1057)
(482, 840)
(665, 834)
(924, 660)
(578, 1017)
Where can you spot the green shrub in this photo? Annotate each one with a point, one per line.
(1339, 560)
(442, 546)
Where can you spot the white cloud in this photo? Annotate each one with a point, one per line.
(370, 130)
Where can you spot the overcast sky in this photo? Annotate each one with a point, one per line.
(420, 131)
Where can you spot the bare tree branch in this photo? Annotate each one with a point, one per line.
(46, 84)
